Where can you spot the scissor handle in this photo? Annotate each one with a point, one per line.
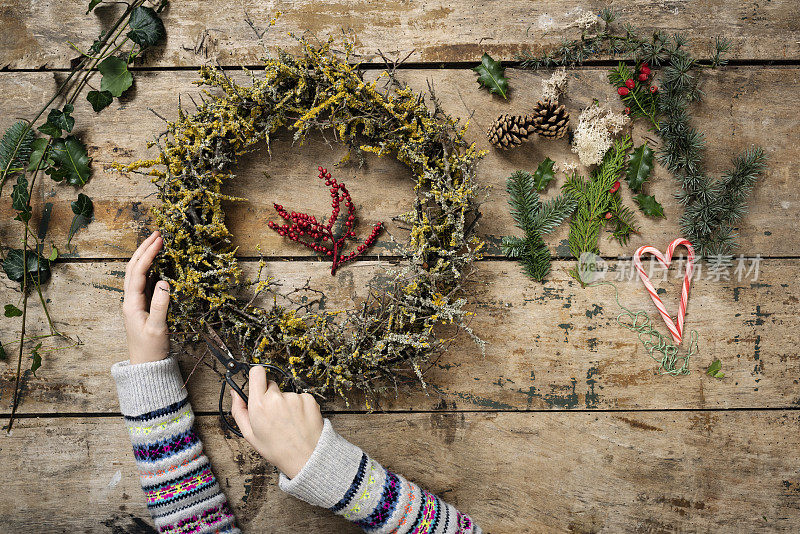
(232, 383)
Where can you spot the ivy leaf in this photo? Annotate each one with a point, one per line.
(116, 76)
(490, 75)
(12, 311)
(20, 196)
(84, 211)
(639, 167)
(70, 161)
(649, 205)
(58, 120)
(544, 174)
(39, 151)
(38, 267)
(92, 5)
(146, 27)
(36, 357)
(715, 369)
(99, 99)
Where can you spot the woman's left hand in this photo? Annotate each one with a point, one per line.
(148, 339)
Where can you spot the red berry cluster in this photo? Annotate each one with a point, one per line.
(303, 224)
(630, 84)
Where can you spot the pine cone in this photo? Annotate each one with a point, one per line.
(550, 119)
(509, 131)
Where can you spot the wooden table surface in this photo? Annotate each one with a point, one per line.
(564, 425)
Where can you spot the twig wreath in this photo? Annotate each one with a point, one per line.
(391, 334)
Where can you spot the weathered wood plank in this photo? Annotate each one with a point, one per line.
(35, 34)
(550, 347)
(743, 106)
(512, 472)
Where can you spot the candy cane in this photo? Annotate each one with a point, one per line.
(675, 330)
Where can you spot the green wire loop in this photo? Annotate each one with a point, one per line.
(654, 342)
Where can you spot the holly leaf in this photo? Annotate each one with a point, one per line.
(12, 311)
(38, 267)
(146, 27)
(70, 161)
(99, 99)
(649, 205)
(544, 174)
(639, 167)
(92, 5)
(116, 76)
(84, 211)
(36, 357)
(490, 75)
(715, 369)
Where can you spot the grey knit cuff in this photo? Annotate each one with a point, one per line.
(328, 473)
(146, 387)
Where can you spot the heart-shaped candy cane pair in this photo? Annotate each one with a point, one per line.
(675, 329)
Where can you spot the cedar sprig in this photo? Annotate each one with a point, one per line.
(595, 199)
(535, 219)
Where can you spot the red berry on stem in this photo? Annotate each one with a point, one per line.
(645, 69)
(627, 111)
(643, 77)
(653, 88)
(630, 84)
(623, 91)
(614, 187)
(608, 215)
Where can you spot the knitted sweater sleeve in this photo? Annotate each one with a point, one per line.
(339, 476)
(181, 491)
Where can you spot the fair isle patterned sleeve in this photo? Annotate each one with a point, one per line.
(341, 477)
(182, 494)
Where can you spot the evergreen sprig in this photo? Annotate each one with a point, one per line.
(534, 218)
(711, 207)
(595, 199)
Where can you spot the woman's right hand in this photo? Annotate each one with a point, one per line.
(283, 427)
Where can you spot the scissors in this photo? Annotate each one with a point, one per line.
(234, 367)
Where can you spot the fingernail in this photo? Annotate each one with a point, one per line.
(164, 286)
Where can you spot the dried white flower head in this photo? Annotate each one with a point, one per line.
(586, 20)
(593, 136)
(568, 168)
(555, 86)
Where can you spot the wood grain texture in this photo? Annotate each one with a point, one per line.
(512, 472)
(742, 107)
(33, 34)
(550, 347)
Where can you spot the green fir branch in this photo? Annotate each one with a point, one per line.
(534, 218)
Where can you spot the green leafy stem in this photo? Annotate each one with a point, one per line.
(65, 158)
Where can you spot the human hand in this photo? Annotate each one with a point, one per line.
(147, 331)
(283, 427)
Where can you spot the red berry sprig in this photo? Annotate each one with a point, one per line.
(302, 224)
(637, 91)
